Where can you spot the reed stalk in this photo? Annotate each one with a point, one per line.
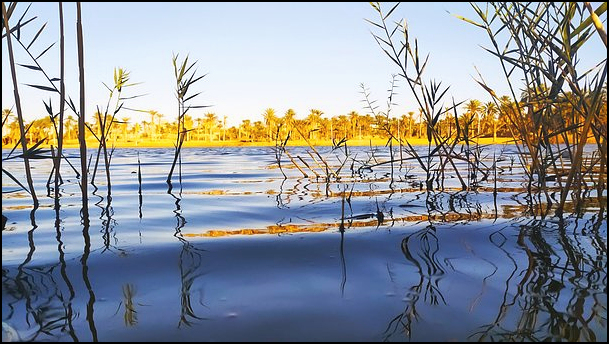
(304, 174)
(539, 45)
(62, 99)
(107, 121)
(50, 87)
(280, 149)
(326, 168)
(185, 77)
(24, 148)
(395, 43)
(81, 117)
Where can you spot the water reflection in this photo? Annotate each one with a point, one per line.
(377, 210)
(130, 315)
(64, 274)
(421, 249)
(341, 229)
(106, 217)
(140, 199)
(189, 265)
(312, 253)
(85, 278)
(554, 285)
(32, 293)
(552, 300)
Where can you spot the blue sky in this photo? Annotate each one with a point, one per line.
(256, 56)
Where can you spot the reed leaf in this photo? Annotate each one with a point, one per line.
(391, 11)
(602, 8)
(15, 180)
(36, 36)
(49, 107)
(11, 56)
(469, 21)
(44, 51)
(37, 68)
(41, 87)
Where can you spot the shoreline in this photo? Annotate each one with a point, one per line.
(295, 143)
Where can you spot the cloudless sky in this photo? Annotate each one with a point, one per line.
(256, 56)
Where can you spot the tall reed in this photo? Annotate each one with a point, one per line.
(34, 64)
(394, 41)
(26, 161)
(62, 99)
(185, 77)
(81, 117)
(560, 110)
(107, 120)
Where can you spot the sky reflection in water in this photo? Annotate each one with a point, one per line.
(238, 253)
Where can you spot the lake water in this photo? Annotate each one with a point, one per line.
(237, 252)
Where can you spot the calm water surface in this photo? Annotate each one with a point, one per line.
(235, 252)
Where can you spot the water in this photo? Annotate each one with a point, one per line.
(235, 252)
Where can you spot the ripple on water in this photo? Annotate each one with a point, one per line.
(238, 253)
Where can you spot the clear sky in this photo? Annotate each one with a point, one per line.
(257, 55)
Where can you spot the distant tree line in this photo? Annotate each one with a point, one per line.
(485, 120)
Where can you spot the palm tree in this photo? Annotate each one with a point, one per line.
(224, 128)
(410, 115)
(288, 119)
(403, 123)
(507, 113)
(473, 109)
(152, 125)
(344, 122)
(325, 128)
(200, 127)
(135, 132)
(6, 130)
(490, 114)
(188, 125)
(420, 121)
(6, 113)
(353, 117)
(312, 122)
(210, 122)
(41, 129)
(245, 129)
(98, 120)
(365, 125)
(258, 131)
(124, 124)
(158, 127)
(70, 124)
(14, 135)
(269, 120)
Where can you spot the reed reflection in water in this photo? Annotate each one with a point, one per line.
(237, 252)
(545, 279)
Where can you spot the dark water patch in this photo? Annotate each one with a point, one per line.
(242, 283)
